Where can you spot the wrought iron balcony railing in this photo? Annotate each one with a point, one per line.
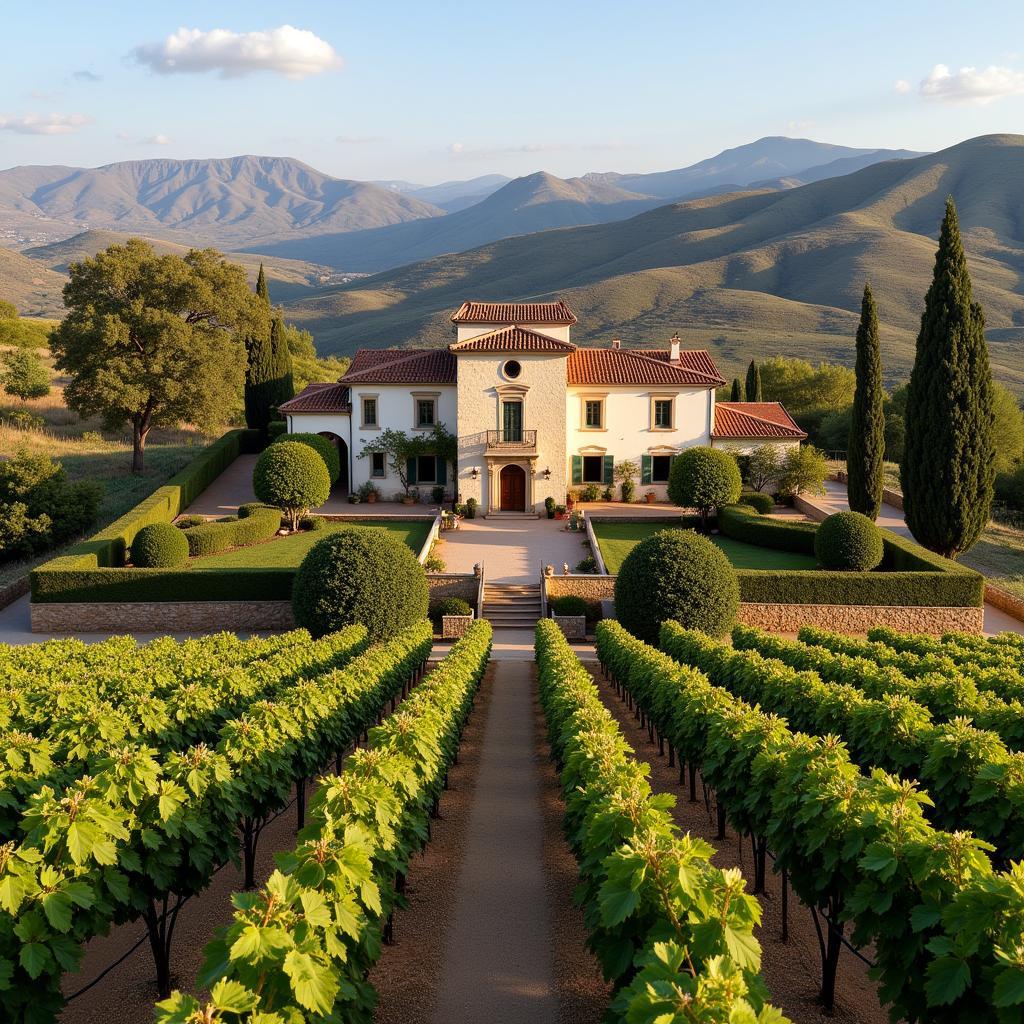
(511, 438)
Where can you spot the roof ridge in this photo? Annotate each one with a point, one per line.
(760, 419)
(455, 346)
(689, 369)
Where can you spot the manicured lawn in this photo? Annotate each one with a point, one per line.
(618, 539)
(288, 552)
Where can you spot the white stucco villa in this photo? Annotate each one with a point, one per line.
(535, 415)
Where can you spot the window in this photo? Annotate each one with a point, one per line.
(512, 369)
(378, 467)
(593, 469)
(593, 414)
(660, 467)
(512, 422)
(426, 469)
(424, 412)
(370, 412)
(662, 413)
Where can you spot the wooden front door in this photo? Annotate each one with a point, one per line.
(513, 489)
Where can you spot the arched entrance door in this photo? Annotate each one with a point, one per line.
(512, 482)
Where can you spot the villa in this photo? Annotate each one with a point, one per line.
(535, 415)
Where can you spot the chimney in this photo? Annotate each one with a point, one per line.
(674, 353)
(616, 343)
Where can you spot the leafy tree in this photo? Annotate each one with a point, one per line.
(736, 395)
(803, 469)
(153, 339)
(627, 471)
(805, 390)
(1009, 428)
(8, 311)
(307, 366)
(764, 466)
(948, 467)
(293, 477)
(865, 450)
(399, 448)
(261, 389)
(704, 479)
(754, 390)
(25, 376)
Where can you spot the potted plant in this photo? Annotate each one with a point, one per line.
(549, 506)
(437, 493)
(354, 499)
(560, 511)
(649, 497)
(471, 505)
(411, 496)
(570, 500)
(368, 492)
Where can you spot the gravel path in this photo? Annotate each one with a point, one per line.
(792, 969)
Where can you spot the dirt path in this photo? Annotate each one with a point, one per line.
(791, 969)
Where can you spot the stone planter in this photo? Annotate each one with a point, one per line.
(574, 627)
(455, 625)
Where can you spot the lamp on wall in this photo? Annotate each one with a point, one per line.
(476, 472)
(547, 473)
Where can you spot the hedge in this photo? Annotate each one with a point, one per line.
(743, 522)
(253, 524)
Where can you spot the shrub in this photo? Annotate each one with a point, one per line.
(848, 541)
(364, 576)
(804, 469)
(762, 503)
(704, 479)
(549, 506)
(448, 606)
(322, 446)
(1010, 488)
(628, 489)
(437, 493)
(434, 563)
(590, 493)
(679, 575)
(313, 524)
(292, 476)
(260, 523)
(159, 546)
(569, 605)
(471, 506)
(276, 427)
(187, 522)
(588, 564)
(763, 466)
(742, 522)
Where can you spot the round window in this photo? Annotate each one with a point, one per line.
(513, 369)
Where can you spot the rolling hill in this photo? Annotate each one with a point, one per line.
(748, 274)
(30, 285)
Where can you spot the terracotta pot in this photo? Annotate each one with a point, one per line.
(649, 498)
(371, 497)
(408, 501)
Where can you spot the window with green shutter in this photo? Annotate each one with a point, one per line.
(645, 469)
(577, 469)
(609, 470)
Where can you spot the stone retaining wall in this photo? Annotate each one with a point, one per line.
(161, 616)
(1005, 601)
(589, 587)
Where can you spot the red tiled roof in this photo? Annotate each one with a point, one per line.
(745, 420)
(514, 313)
(512, 339)
(319, 398)
(642, 366)
(401, 366)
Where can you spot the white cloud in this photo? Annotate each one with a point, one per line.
(292, 52)
(971, 85)
(901, 85)
(45, 124)
(158, 140)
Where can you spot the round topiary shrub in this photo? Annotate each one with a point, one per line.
(848, 541)
(448, 606)
(159, 546)
(322, 446)
(763, 503)
(363, 575)
(676, 574)
(704, 479)
(293, 477)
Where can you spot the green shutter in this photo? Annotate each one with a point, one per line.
(646, 469)
(609, 470)
(442, 471)
(410, 470)
(577, 469)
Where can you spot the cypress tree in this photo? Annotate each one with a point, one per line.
(283, 386)
(865, 451)
(754, 393)
(948, 460)
(259, 369)
(737, 391)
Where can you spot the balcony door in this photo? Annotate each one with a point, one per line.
(512, 422)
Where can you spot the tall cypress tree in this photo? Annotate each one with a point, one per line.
(259, 368)
(754, 393)
(865, 451)
(948, 460)
(281, 363)
(737, 391)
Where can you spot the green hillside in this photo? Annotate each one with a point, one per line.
(30, 285)
(749, 274)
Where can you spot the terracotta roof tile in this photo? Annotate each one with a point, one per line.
(746, 420)
(319, 398)
(514, 313)
(512, 339)
(642, 366)
(401, 366)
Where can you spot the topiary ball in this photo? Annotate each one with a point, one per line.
(762, 503)
(704, 479)
(848, 541)
(680, 575)
(159, 546)
(322, 446)
(293, 477)
(361, 575)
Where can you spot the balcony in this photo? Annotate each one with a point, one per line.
(512, 440)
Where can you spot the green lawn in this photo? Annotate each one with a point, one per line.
(618, 539)
(288, 552)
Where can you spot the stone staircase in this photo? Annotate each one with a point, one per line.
(512, 605)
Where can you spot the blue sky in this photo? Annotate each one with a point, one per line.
(432, 91)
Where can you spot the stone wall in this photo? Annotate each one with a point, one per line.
(1005, 601)
(590, 588)
(841, 618)
(452, 584)
(161, 616)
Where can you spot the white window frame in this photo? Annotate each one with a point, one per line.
(671, 399)
(424, 396)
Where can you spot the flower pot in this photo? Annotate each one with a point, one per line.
(408, 500)
(371, 497)
(649, 498)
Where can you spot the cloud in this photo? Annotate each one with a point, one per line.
(44, 124)
(971, 86)
(355, 140)
(157, 140)
(84, 75)
(460, 149)
(292, 52)
(901, 85)
(799, 126)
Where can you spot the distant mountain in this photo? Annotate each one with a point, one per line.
(836, 168)
(536, 202)
(453, 196)
(749, 274)
(233, 202)
(768, 158)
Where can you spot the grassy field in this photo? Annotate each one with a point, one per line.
(999, 556)
(618, 539)
(288, 552)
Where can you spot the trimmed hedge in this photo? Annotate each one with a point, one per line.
(570, 604)
(259, 523)
(742, 522)
(159, 546)
(763, 503)
(448, 606)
